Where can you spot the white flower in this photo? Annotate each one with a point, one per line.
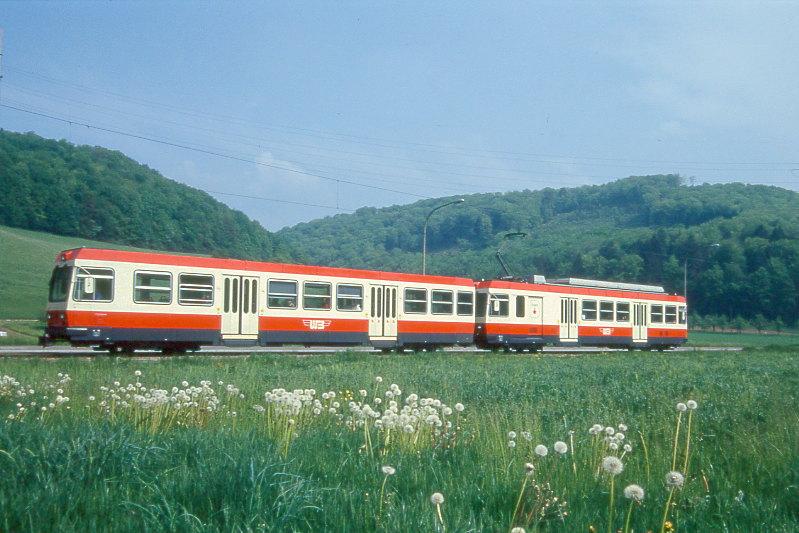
(511, 444)
(408, 428)
(609, 430)
(561, 447)
(613, 446)
(459, 407)
(622, 427)
(541, 450)
(517, 530)
(437, 498)
(511, 434)
(634, 492)
(628, 448)
(612, 465)
(595, 429)
(691, 405)
(388, 470)
(675, 480)
(681, 407)
(137, 373)
(378, 379)
(529, 468)
(91, 398)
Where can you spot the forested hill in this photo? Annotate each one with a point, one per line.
(100, 194)
(635, 229)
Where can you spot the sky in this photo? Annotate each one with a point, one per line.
(295, 111)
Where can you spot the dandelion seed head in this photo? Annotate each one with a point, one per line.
(634, 492)
(137, 373)
(518, 530)
(511, 434)
(675, 480)
(622, 428)
(541, 450)
(628, 448)
(613, 446)
(437, 498)
(681, 407)
(612, 465)
(459, 407)
(561, 447)
(388, 470)
(529, 468)
(691, 405)
(511, 444)
(609, 431)
(378, 379)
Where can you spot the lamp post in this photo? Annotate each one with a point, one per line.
(685, 272)
(424, 231)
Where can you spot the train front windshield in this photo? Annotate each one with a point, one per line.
(59, 284)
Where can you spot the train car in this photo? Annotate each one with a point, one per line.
(577, 312)
(122, 300)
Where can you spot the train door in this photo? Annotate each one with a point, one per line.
(536, 315)
(568, 319)
(640, 321)
(239, 307)
(383, 312)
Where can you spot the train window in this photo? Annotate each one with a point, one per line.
(94, 285)
(282, 294)
(520, 306)
(482, 303)
(657, 314)
(465, 303)
(349, 297)
(227, 295)
(683, 319)
(245, 299)
(622, 311)
(59, 284)
(317, 295)
(441, 302)
(196, 289)
(671, 314)
(152, 287)
(589, 309)
(499, 305)
(606, 311)
(415, 300)
(254, 307)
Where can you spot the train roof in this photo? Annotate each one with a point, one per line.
(158, 258)
(586, 288)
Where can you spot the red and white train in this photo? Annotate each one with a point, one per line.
(121, 301)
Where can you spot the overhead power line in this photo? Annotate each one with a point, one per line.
(209, 152)
(392, 143)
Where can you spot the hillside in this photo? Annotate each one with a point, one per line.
(95, 193)
(26, 261)
(634, 229)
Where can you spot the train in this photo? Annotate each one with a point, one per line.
(122, 301)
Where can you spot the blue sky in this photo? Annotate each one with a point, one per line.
(332, 103)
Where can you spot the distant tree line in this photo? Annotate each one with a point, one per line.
(100, 194)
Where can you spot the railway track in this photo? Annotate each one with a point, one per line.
(224, 351)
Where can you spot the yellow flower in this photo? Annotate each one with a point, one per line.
(668, 526)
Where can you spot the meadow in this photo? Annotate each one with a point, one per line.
(251, 443)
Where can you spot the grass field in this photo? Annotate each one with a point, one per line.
(26, 261)
(112, 467)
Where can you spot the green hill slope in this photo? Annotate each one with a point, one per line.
(635, 229)
(26, 260)
(95, 193)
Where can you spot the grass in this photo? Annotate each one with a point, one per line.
(21, 332)
(748, 340)
(26, 261)
(78, 470)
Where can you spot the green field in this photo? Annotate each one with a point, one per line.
(26, 260)
(109, 467)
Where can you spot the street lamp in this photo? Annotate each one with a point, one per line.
(424, 231)
(685, 272)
